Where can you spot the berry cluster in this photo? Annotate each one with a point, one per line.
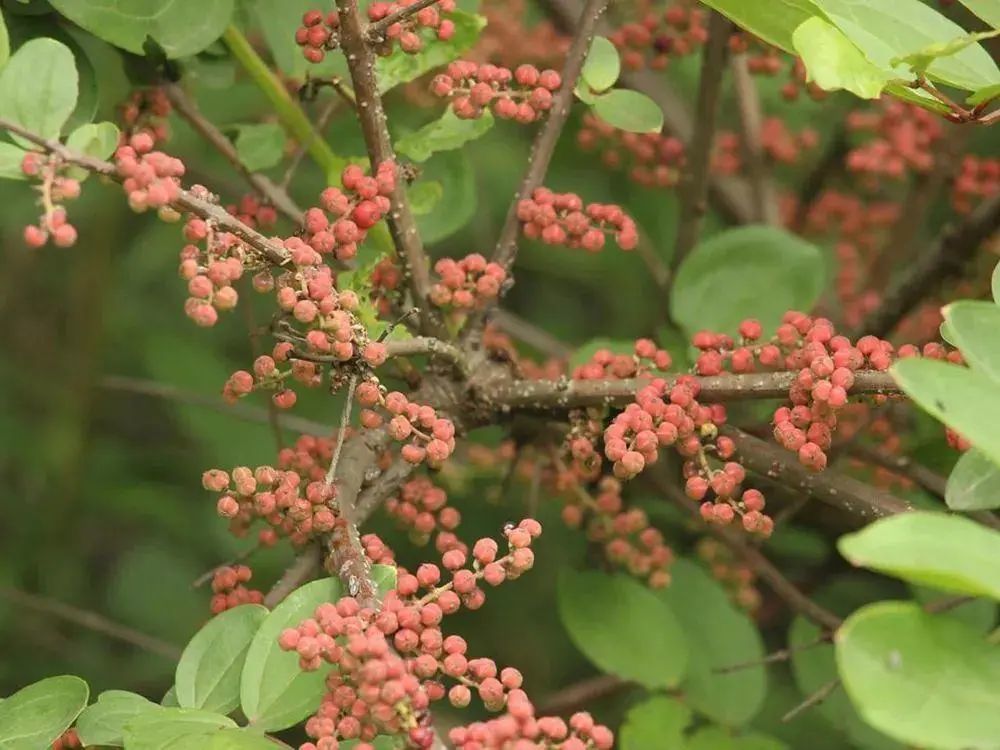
(422, 508)
(151, 178)
(253, 213)
(658, 35)
(736, 576)
(386, 281)
(54, 189)
(507, 40)
(729, 499)
(68, 740)
(978, 178)
(524, 94)
(318, 34)
(779, 145)
(902, 142)
(519, 728)
(604, 363)
(407, 31)
(146, 111)
(466, 283)
(652, 159)
(210, 273)
(562, 219)
(229, 590)
(425, 435)
(625, 534)
(391, 663)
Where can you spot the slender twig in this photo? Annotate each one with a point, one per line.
(530, 334)
(751, 119)
(941, 262)
(375, 33)
(815, 699)
(92, 621)
(266, 189)
(305, 567)
(322, 120)
(780, 655)
(693, 187)
(428, 345)
(579, 695)
(345, 419)
(902, 465)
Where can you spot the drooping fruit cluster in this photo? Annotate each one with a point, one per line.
(728, 499)
(210, 273)
(651, 159)
(151, 178)
(646, 358)
(425, 435)
(54, 189)
(628, 539)
(562, 219)
(466, 283)
(318, 33)
(229, 589)
(408, 31)
(524, 94)
(392, 663)
(660, 34)
(252, 212)
(422, 508)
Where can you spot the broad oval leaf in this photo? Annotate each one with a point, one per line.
(718, 636)
(751, 272)
(608, 616)
(453, 171)
(659, 721)
(97, 139)
(602, 66)
(833, 62)
(947, 552)
(719, 738)
(978, 614)
(446, 133)
(103, 722)
(36, 715)
(401, 67)
(208, 673)
(973, 327)
(629, 110)
(39, 87)
(274, 693)
(919, 61)
(974, 483)
(223, 739)
(159, 730)
(926, 680)
(774, 21)
(11, 157)
(260, 145)
(180, 27)
(988, 10)
(965, 400)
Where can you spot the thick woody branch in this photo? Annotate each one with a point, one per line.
(543, 395)
(430, 346)
(264, 188)
(693, 187)
(548, 136)
(943, 261)
(187, 202)
(375, 33)
(374, 126)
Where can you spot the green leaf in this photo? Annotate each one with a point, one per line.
(208, 673)
(602, 66)
(629, 110)
(38, 87)
(446, 133)
(260, 146)
(919, 61)
(384, 577)
(159, 730)
(4, 43)
(274, 693)
(987, 10)
(833, 62)
(103, 722)
(965, 400)
(11, 157)
(720, 282)
(170, 698)
(99, 139)
(973, 326)
(886, 31)
(180, 27)
(606, 616)
(424, 196)
(659, 721)
(773, 21)
(985, 94)
(718, 738)
(923, 679)
(453, 170)
(974, 483)
(718, 635)
(400, 67)
(995, 283)
(223, 739)
(978, 614)
(36, 715)
(947, 552)
(277, 21)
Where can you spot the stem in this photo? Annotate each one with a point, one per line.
(345, 418)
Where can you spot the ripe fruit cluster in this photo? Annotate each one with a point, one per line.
(407, 31)
(651, 159)
(253, 213)
(524, 94)
(425, 435)
(422, 508)
(562, 219)
(729, 499)
(903, 140)
(978, 179)
(318, 34)
(53, 189)
(392, 663)
(68, 740)
(146, 111)
(660, 34)
(733, 573)
(151, 179)
(779, 144)
(604, 363)
(229, 589)
(210, 273)
(466, 283)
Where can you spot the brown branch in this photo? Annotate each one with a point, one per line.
(902, 465)
(693, 186)
(374, 126)
(221, 218)
(579, 695)
(92, 621)
(783, 654)
(263, 186)
(431, 346)
(751, 118)
(548, 136)
(530, 334)
(535, 395)
(304, 569)
(375, 33)
(941, 262)
(815, 699)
